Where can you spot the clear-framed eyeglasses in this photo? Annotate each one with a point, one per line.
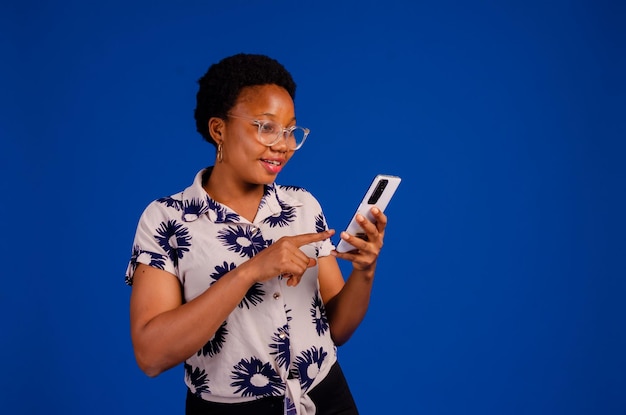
(271, 132)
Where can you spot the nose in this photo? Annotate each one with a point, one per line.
(281, 146)
(283, 143)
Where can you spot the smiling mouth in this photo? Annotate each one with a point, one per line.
(272, 162)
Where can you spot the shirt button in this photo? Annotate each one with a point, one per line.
(282, 336)
(276, 296)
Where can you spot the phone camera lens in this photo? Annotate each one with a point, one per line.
(378, 191)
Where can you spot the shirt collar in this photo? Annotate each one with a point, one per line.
(196, 202)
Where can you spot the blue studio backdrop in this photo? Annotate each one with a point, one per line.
(501, 286)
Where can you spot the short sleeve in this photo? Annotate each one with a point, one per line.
(326, 246)
(150, 242)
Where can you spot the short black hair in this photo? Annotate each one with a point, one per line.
(221, 85)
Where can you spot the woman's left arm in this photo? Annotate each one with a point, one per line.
(346, 302)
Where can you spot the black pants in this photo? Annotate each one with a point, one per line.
(331, 396)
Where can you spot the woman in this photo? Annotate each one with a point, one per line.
(236, 276)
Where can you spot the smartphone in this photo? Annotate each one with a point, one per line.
(379, 194)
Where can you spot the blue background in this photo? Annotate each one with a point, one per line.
(501, 286)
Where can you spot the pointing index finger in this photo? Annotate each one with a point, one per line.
(307, 238)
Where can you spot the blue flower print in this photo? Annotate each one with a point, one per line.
(198, 378)
(294, 188)
(253, 297)
(195, 207)
(255, 293)
(171, 202)
(222, 214)
(242, 240)
(151, 258)
(318, 315)
(267, 190)
(320, 223)
(139, 256)
(286, 216)
(290, 407)
(156, 260)
(213, 346)
(320, 226)
(281, 345)
(221, 270)
(174, 239)
(132, 265)
(308, 365)
(255, 378)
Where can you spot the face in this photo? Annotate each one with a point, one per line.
(245, 159)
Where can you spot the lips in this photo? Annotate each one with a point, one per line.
(274, 162)
(273, 166)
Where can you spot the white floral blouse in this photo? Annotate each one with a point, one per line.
(277, 341)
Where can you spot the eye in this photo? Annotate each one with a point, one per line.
(270, 127)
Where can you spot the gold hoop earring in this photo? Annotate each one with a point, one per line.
(220, 156)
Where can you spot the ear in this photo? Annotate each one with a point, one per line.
(216, 128)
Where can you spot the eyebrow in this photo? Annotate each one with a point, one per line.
(268, 114)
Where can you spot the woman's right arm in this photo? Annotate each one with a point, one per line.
(165, 331)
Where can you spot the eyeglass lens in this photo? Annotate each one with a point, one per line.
(270, 133)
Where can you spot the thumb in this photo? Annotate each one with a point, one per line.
(312, 263)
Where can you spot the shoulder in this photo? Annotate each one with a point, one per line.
(167, 206)
(302, 201)
(296, 193)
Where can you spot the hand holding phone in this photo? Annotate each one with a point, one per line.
(378, 194)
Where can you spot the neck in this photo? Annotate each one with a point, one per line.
(243, 198)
